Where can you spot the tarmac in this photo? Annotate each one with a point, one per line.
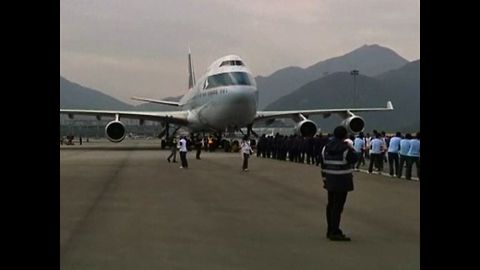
(123, 206)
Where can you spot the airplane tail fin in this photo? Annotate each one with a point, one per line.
(191, 72)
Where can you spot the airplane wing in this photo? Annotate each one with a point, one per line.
(265, 115)
(157, 101)
(174, 117)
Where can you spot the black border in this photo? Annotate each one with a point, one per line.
(449, 175)
(31, 174)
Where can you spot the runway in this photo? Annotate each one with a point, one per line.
(123, 206)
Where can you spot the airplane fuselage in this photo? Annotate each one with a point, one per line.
(226, 97)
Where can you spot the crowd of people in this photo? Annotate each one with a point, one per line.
(400, 151)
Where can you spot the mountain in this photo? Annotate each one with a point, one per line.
(75, 96)
(279, 83)
(401, 86)
(370, 60)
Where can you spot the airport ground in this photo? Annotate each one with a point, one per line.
(123, 206)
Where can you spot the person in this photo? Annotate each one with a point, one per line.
(404, 148)
(173, 149)
(246, 151)
(198, 146)
(349, 140)
(413, 156)
(80, 139)
(210, 143)
(359, 146)
(337, 161)
(376, 149)
(182, 146)
(385, 140)
(368, 140)
(393, 148)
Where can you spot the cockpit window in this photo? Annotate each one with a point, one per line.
(231, 78)
(232, 63)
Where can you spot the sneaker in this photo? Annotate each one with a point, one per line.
(181, 167)
(339, 237)
(169, 160)
(339, 232)
(245, 170)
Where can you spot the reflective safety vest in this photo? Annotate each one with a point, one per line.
(336, 164)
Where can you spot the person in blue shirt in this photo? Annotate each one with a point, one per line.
(376, 150)
(393, 148)
(404, 148)
(413, 157)
(359, 146)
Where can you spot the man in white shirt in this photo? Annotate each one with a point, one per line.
(182, 146)
(246, 151)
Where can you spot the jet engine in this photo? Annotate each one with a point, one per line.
(354, 124)
(115, 131)
(306, 128)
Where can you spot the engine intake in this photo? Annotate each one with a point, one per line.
(354, 124)
(115, 131)
(306, 128)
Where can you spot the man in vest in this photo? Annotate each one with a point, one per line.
(337, 160)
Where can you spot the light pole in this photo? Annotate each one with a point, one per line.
(354, 73)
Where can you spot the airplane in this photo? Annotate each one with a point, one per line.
(224, 98)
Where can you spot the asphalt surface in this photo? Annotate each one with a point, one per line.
(123, 206)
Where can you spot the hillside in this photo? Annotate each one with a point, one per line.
(370, 60)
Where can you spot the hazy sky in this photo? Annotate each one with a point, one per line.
(139, 47)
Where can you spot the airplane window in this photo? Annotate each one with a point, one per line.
(226, 63)
(224, 79)
(232, 63)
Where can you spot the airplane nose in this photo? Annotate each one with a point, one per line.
(244, 97)
(242, 102)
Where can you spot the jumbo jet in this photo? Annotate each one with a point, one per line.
(224, 99)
